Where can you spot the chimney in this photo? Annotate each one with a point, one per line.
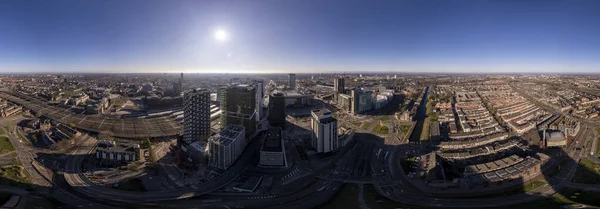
(544, 138)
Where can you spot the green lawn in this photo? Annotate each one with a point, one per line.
(531, 186)
(385, 118)
(425, 132)
(598, 147)
(12, 175)
(366, 125)
(598, 144)
(380, 129)
(588, 172)
(2, 131)
(375, 201)
(5, 145)
(404, 128)
(356, 123)
(347, 197)
(526, 188)
(132, 185)
(567, 196)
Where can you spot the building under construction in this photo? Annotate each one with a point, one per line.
(238, 106)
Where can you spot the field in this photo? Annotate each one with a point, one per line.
(348, 197)
(380, 129)
(404, 128)
(588, 172)
(558, 200)
(526, 188)
(5, 145)
(366, 125)
(12, 175)
(425, 132)
(385, 118)
(598, 144)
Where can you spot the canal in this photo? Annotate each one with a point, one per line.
(421, 114)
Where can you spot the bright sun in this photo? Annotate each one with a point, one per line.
(221, 35)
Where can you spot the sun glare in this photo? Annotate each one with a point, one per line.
(221, 35)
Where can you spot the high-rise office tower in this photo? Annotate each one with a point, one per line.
(196, 115)
(325, 134)
(238, 106)
(181, 83)
(176, 88)
(292, 80)
(258, 84)
(361, 101)
(277, 109)
(338, 85)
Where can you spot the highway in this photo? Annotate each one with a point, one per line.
(315, 192)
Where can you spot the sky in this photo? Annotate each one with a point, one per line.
(300, 36)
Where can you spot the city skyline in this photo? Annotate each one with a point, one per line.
(299, 37)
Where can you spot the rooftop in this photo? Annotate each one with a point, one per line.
(555, 136)
(120, 147)
(321, 112)
(229, 134)
(272, 142)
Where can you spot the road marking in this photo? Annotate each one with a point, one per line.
(82, 119)
(101, 123)
(63, 118)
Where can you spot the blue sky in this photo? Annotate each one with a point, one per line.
(300, 36)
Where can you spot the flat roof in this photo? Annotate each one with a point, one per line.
(321, 112)
(272, 142)
(229, 134)
(116, 147)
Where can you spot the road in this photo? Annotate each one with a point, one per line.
(393, 184)
(26, 156)
(314, 193)
(401, 190)
(74, 176)
(24, 195)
